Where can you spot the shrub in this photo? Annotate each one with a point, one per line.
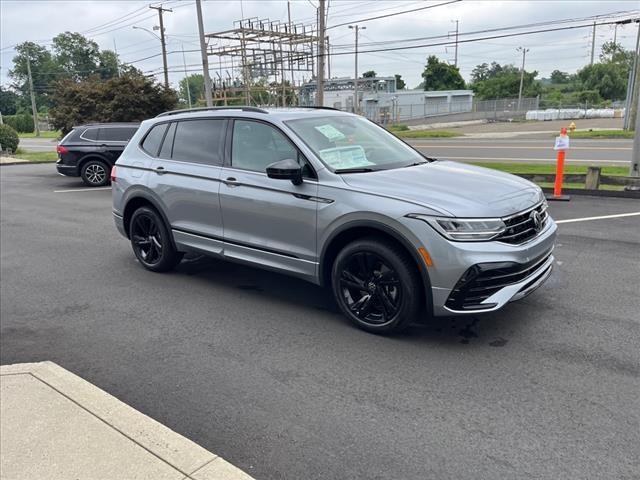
(8, 138)
(21, 122)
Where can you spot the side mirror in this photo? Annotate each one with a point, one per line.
(286, 170)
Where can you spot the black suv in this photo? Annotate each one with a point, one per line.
(89, 151)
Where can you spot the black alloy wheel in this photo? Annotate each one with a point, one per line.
(371, 289)
(376, 285)
(150, 241)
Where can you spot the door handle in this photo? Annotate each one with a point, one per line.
(160, 170)
(231, 182)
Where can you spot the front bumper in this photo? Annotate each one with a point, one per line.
(494, 288)
(532, 261)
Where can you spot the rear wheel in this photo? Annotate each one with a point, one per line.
(95, 173)
(376, 285)
(151, 242)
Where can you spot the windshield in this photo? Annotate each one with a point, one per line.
(348, 143)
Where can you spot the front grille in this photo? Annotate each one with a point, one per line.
(522, 226)
(484, 279)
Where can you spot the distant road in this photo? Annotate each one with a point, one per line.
(586, 152)
(38, 144)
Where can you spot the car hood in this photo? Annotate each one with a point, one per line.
(455, 189)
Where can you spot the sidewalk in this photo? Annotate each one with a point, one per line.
(55, 425)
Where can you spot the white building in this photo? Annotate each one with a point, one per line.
(380, 101)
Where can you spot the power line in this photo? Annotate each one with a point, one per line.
(500, 29)
(394, 14)
(470, 40)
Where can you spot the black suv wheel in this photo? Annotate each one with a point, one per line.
(376, 285)
(95, 173)
(151, 242)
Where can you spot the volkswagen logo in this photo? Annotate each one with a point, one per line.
(537, 220)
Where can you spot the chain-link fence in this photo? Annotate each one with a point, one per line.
(446, 111)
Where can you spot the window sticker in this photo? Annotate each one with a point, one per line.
(345, 157)
(331, 132)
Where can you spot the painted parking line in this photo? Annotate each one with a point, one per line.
(602, 217)
(94, 189)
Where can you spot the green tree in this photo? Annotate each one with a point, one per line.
(8, 139)
(612, 52)
(441, 76)
(76, 55)
(196, 88)
(559, 77)
(608, 79)
(44, 70)
(400, 84)
(480, 73)
(130, 97)
(503, 81)
(108, 64)
(8, 101)
(369, 74)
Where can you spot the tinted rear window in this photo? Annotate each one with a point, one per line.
(116, 134)
(199, 141)
(90, 134)
(151, 143)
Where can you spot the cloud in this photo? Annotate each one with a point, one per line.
(42, 20)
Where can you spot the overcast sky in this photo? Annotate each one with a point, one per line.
(40, 20)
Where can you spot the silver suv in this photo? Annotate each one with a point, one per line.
(334, 199)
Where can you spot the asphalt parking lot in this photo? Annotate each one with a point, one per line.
(263, 370)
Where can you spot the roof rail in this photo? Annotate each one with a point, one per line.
(205, 109)
(318, 107)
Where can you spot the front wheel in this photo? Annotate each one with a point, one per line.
(151, 242)
(95, 173)
(376, 285)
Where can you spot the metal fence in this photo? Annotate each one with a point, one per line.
(442, 111)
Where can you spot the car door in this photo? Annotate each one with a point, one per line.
(267, 221)
(185, 176)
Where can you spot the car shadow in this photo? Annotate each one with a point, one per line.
(492, 330)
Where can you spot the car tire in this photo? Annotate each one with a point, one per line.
(151, 241)
(95, 173)
(376, 285)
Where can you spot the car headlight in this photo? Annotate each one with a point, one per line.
(464, 229)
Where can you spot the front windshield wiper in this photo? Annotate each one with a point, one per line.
(415, 164)
(354, 170)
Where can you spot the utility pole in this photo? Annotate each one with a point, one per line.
(160, 10)
(115, 50)
(524, 54)
(321, 53)
(204, 56)
(290, 47)
(593, 42)
(633, 109)
(455, 61)
(633, 86)
(34, 110)
(634, 170)
(186, 77)
(356, 105)
(328, 59)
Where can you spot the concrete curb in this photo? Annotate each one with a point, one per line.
(596, 193)
(186, 457)
(26, 162)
